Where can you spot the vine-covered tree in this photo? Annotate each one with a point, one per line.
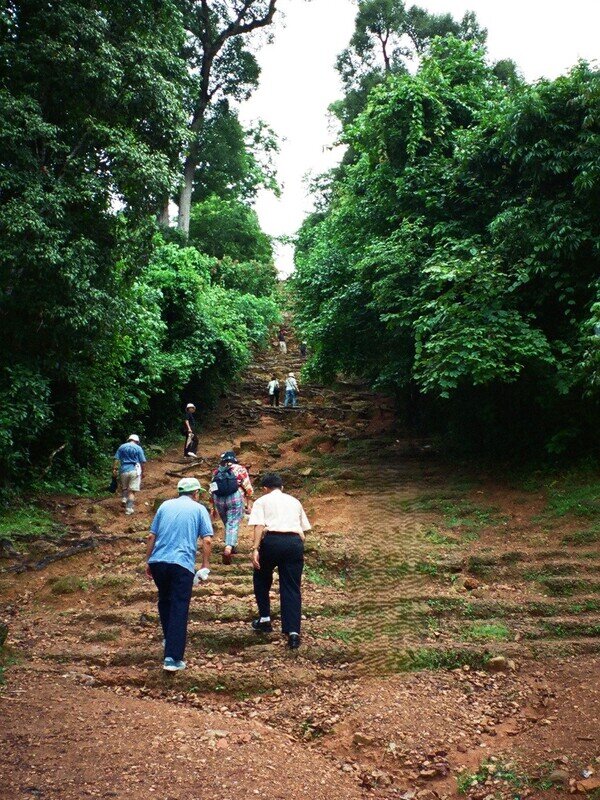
(459, 254)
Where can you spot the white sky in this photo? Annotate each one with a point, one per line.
(298, 80)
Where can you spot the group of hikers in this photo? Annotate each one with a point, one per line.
(180, 524)
(291, 391)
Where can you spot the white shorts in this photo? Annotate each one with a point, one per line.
(131, 481)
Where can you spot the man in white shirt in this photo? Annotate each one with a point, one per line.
(279, 527)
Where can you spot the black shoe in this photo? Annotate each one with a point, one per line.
(293, 641)
(262, 627)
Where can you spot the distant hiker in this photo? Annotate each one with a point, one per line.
(279, 526)
(291, 391)
(273, 389)
(129, 465)
(282, 344)
(231, 491)
(171, 562)
(303, 348)
(189, 431)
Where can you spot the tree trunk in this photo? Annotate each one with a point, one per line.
(163, 214)
(185, 197)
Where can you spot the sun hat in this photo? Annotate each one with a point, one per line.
(188, 485)
(229, 455)
(291, 375)
(190, 405)
(133, 437)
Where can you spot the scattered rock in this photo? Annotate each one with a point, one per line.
(501, 664)
(588, 785)
(559, 776)
(305, 472)
(362, 740)
(471, 583)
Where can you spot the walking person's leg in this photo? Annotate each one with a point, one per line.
(263, 580)
(162, 579)
(272, 399)
(290, 564)
(181, 593)
(288, 398)
(294, 399)
(276, 395)
(235, 512)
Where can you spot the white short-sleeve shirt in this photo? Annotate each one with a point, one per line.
(281, 512)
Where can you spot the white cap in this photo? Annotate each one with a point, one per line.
(190, 405)
(291, 375)
(133, 438)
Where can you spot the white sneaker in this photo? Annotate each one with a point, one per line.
(192, 455)
(129, 511)
(170, 665)
(124, 500)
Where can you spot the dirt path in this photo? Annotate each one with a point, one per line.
(412, 566)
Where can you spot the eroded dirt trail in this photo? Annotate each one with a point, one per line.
(412, 564)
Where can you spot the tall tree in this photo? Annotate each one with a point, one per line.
(387, 36)
(221, 66)
(91, 103)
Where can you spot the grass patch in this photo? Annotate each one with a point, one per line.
(487, 632)
(435, 536)
(424, 658)
(319, 576)
(104, 635)
(579, 538)
(68, 584)
(113, 581)
(574, 499)
(22, 524)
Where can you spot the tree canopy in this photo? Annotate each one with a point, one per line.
(457, 258)
(105, 324)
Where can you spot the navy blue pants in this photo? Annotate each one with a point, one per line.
(174, 584)
(286, 552)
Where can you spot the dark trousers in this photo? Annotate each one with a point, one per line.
(274, 398)
(191, 444)
(174, 584)
(286, 552)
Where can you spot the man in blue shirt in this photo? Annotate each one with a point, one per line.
(129, 462)
(171, 557)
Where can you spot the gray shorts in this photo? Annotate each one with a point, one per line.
(131, 481)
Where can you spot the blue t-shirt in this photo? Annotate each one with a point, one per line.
(177, 525)
(130, 455)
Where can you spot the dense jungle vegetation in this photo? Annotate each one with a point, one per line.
(454, 256)
(111, 319)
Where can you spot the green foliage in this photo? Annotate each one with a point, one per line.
(21, 524)
(455, 257)
(67, 584)
(487, 632)
(223, 227)
(106, 325)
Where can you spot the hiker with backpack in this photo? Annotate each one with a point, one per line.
(188, 429)
(273, 390)
(231, 490)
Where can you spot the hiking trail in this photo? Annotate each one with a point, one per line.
(447, 620)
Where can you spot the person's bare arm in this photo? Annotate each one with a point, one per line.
(258, 535)
(206, 551)
(149, 548)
